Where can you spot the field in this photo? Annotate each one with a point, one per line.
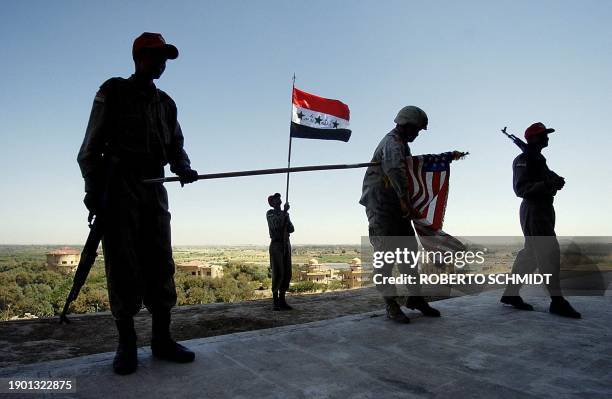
(27, 287)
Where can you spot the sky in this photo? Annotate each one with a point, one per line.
(473, 66)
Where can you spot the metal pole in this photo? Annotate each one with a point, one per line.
(290, 139)
(257, 172)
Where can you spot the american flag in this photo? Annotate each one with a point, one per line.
(428, 177)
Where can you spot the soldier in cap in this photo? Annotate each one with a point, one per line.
(389, 211)
(132, 134)
(279, 226)
(537, 186)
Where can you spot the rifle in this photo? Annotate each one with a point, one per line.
(90, 250)
(88, 257)
(519, 143)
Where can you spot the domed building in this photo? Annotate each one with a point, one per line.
(319, 273)
(63, 260)
(357, 276)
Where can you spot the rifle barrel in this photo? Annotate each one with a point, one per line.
(257, 172)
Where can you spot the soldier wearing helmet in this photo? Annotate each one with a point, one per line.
(132, 134)
(388, 208)
(537, 186)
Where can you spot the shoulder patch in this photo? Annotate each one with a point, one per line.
(99, 97)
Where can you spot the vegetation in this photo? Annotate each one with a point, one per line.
(26, 286)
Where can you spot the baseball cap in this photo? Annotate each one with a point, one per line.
(154, 41)
(537, 129)
(272, 197)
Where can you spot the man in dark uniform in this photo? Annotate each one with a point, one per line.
(386, 198)
(132, 134)
(279, 226)
(537, 185)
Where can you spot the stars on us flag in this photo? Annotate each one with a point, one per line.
(436, 163)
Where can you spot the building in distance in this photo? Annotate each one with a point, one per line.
(357, 276)
(201, 269)
(63, 260)
(352, 275)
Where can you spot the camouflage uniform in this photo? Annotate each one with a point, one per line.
(533, 182)
(383, 186)
(280, 249)
(131, 135)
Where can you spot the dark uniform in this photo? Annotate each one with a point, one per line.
(280, 249)
(131, 135)
(535, 183)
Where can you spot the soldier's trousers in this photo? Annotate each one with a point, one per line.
(137, 249)
(280, 264)
(389, 232)
(541, 250)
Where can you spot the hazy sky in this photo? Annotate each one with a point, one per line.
(473, 66)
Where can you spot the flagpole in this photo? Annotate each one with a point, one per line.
(290, 139)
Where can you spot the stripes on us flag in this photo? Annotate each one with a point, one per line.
(315, 117)
(428, 179)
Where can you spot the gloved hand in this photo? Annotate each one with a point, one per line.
(187, 176)
(559, 182)
(286, 207)
(555, 181)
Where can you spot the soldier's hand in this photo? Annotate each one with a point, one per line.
(187, 176)
(457, 155)
(286, 207)
(559, 183)
(407, 211)
(92, 201)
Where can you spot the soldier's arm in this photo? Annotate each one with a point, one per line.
(177, 157)
(90, 157)
(290, 227)
(526, 187)
(393, 164)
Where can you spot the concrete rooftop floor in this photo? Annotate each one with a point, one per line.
(479, 348)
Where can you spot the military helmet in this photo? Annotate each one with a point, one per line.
(413, 115)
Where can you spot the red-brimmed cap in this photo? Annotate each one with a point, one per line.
(154, 41)
(537, 129)
(272, 197)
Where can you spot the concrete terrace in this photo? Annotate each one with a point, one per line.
(477, 349)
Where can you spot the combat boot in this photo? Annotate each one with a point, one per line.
(282, 302)
(162, 344)
(562, 307)
(275, 301)
(419, 303)
(394, 312)
(516, 302)
(126, 357)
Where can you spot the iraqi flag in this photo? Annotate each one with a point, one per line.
(319, 118)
